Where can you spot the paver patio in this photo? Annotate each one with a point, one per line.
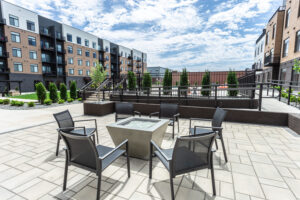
(264, 163)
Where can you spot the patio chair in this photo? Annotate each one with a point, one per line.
(168, 111)
(216, 125)
(190, 153)
(82, 152)
(67, 124)
(124, 110)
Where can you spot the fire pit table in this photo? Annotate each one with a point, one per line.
(139, 131)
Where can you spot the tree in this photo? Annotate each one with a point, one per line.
(296, 65)
(147, 81)
(131, 80)
(73, 90)
(206, 84)
(53, 92)
(63, 91)
(98, 74)
(184, 81)
(167, 81)
(41, 92)
(232, 83)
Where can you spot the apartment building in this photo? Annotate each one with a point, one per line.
(290, 41)
(37, 49)
(259, 56)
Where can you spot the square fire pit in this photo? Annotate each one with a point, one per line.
(139, 131)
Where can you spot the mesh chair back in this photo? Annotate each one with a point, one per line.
(82, 150)
(64, 119)
(192, 153)
(124, 108)
(218, 117)
(168, 110)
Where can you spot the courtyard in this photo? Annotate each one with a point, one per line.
(263, 163)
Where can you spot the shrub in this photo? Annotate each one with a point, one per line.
(98, 75)
(167, 81)
(6, 101)
(184, 81)
(63, 91)
(232, 82)
(30, 104)
(1, 101)
(147, 82)
(61, 101)
(206, 84)
(41, 92)
(293, 98)
(48, 102)
(13, 103)
(131, 81)
(287, 90)
(20, 103)
(70, 100)
(73, 90)
(79, 99)
(53, 92)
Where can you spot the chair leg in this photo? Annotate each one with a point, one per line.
(172, 186)
(216, 144)
(150, 161)
(173, 129)
(97, 136)
(99, 187)
(128, 162)
(66, 172)
(178, 126)
(213, 177)
(57, 146)
(223, 146)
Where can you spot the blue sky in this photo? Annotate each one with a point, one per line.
(196, 34)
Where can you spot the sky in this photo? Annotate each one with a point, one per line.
(214, 35)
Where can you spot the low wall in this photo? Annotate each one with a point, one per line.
(294, 122)
(204, 102)
(98, 109)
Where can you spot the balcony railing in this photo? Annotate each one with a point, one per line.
(3, 21)
(4, 70)
(4, 54)
(47, 48)
(49, 74)
(61, 51)
(45, 33)
(48, 61)
(3, 38)
(272, 60)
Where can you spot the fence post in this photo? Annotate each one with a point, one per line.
(159, 93)
(216, 95)
(178, 95)
(137, 96)
(122, 94)
(260, 96)
(273, 89)
(289, 97)
(280, 90)
(103, 94)
(268, 86)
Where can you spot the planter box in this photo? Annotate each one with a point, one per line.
(98, 108)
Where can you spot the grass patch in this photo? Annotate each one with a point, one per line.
(33, 96)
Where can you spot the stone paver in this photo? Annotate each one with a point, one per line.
(264, 163)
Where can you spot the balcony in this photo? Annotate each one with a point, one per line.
(49, 74)
(47, 61)
(272, 60)
(62, 74)
(129, 57)
(3, 38)
(62, 51)
(4, 54)
(2, 21)
(45, 48)
(4, 70)
(45, 33)
(60, 38)
(130, 64)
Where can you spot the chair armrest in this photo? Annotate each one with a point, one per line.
(212, 127)
(213, 150)
(83, 120)
(115, 149)
(202, 119)
(154, 113)
(67, 128)
(137, 112)
(160, 151)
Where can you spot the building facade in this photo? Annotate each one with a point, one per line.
(259, 56)
(157, 74)
(36, 49)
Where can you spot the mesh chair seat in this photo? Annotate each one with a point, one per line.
(103, 150)
(201, 131)
(123, 116)
(80, 131)
(168, 153)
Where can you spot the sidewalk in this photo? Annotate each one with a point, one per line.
(17, 119)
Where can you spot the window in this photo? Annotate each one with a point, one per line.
(79, 62)
(31, 41)
(60, 71)
(18, 67)
(30, 26)
(17, 52)
(107, 58)
(13, 20)
(80, 72)
(87, 53)
(70, 49)
(297, 47)
(86, 43)
(267, 38)
(59, 47)
(69, 37)
(287, 18)
(94, 55)
(45, 44)
(261, 49)
(58, 35)
(285, 47)
(46, 69)
(94, 45)
(87, 63)
(121, 54)
(59, 59)
(87, 72)
(79, 52)
(45, 57)
(106, 49)
(78, 40)
(34, 68)
(15, 37)
(33, 55)
(70, 61)
(125, 54)
(94, 64)
(274, 31)
(71, 71)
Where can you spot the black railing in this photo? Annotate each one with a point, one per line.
(4, 70)
(271, 60)
(51, 74)
(47, 48)
(2, 21)
(4, 54)
(3, 38)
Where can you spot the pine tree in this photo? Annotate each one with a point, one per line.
(206, 84)
(232, 83)
(147, 82)
(131, 81)
(73, 90)
(53, 92)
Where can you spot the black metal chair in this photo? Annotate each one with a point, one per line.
(82, 152)
(190, 153)
(168, 111)
(124, 110)
(67, 124)
(216, 125)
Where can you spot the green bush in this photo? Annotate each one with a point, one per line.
(53, 92)
(20, 103)
(1, 101)
(30, 104)
(61, 101)
(41, 92)
(131, 80)
(287, 90)
(79, 99)
(73, 90)
(293, 98)
(167, 81)
(206, 84)
(48, 102)
(184, 81)
(232, 82)
(6, 101)
(147, 82)
(70, 100)
(16, 103)
(63, 91)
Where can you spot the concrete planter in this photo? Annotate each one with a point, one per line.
(139, 132)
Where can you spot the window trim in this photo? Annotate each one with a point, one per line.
(37, 67)
(283, 49)
(68, 34)
(287, 19)
(15, 34)
(18, 49)
(15, 17)
(28, 21)
(34, 41)
(35, 54)
(18, 63)
(296, 41)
